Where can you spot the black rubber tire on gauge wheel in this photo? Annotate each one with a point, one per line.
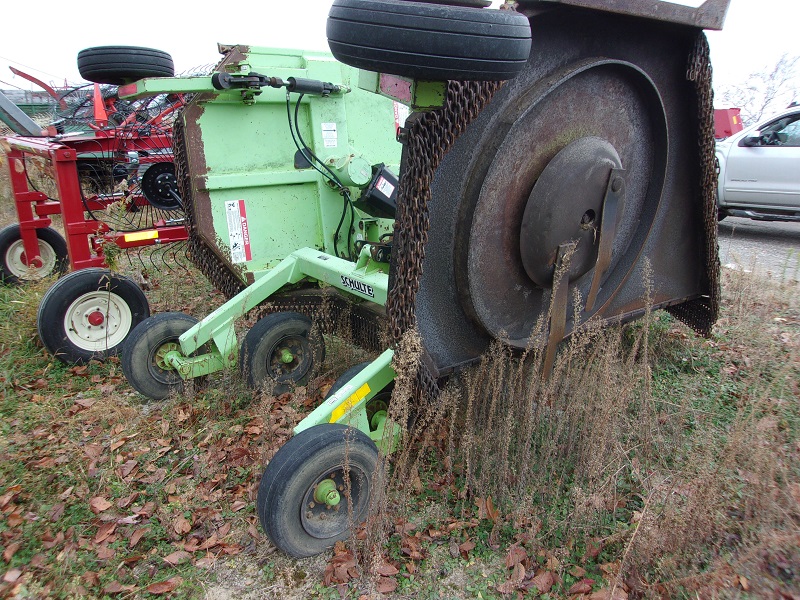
(52, 252)
(429, 41)
(88, 315)
(119, 65)
(292, 514)
(143, 354)
(281, 347)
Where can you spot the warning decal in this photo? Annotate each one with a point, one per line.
(401, 112)
(330, 135)
(384, 187)
(238, 232)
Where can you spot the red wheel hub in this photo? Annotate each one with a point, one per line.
(96, 318)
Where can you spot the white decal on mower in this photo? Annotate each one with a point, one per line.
(330, 135)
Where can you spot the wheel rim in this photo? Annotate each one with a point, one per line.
(325, 513)
(160, 369)
(289, 358)
(98, 321)
(160, 356)
(16, 264)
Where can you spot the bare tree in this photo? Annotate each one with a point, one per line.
(763, 92)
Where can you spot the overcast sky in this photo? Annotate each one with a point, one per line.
(44, 37)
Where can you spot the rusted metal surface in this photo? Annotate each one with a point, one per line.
(190, 170)
(611, 113)
(710, 15)
(597, 76)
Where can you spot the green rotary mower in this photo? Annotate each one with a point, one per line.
(589, 175)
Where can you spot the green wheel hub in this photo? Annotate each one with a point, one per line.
(160, 357)
(326, 493)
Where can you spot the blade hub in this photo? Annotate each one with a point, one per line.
(565, 205)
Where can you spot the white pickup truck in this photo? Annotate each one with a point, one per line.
(759, 170)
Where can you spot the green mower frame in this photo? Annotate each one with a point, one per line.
(210, 345)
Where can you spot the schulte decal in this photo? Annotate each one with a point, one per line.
(357, 286)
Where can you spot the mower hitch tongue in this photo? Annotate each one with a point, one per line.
(590, 176)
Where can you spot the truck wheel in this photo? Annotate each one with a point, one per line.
(88, 314)
(429, 41)
(119, 65)
(52, 252)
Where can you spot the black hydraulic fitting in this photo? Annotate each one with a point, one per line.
(313, 87)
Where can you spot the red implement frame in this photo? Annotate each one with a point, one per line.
(85, 237)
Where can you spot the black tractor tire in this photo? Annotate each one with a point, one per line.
(259, 361)
(52, 250)
(429, 41)
(292, 520)
(89, 314)
(120, 65)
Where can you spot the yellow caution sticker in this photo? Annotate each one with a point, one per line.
(349, 403)
(138, 236)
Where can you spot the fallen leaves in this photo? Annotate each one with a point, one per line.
(544, 581)
(99, 504)
(104, 531)
(486, 509)
(584, 586)
(609, 594)
(514, 582)
(12, 575)
(342, 567)
(181, 525)
(165, 587)
(387, 585)
(516, 555)
(10, 550)
(137, 536)
(115, 587)
(177, 558)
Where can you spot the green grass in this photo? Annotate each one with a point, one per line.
(671, 472)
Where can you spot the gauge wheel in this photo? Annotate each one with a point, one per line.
(281, 347)
(88, 315)
(120, 65)
(52, 254)
(429, 41)
(158, 185)
(317, 487)
(377, 405)
(144, 352)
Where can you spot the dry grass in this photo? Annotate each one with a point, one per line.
(668, 461)
(662, 464)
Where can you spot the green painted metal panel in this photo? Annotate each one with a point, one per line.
(242, 154)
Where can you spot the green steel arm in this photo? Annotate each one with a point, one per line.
(165, 85)
(348, 404)
(361, 279)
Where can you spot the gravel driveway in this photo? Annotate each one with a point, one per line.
(765, 247)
